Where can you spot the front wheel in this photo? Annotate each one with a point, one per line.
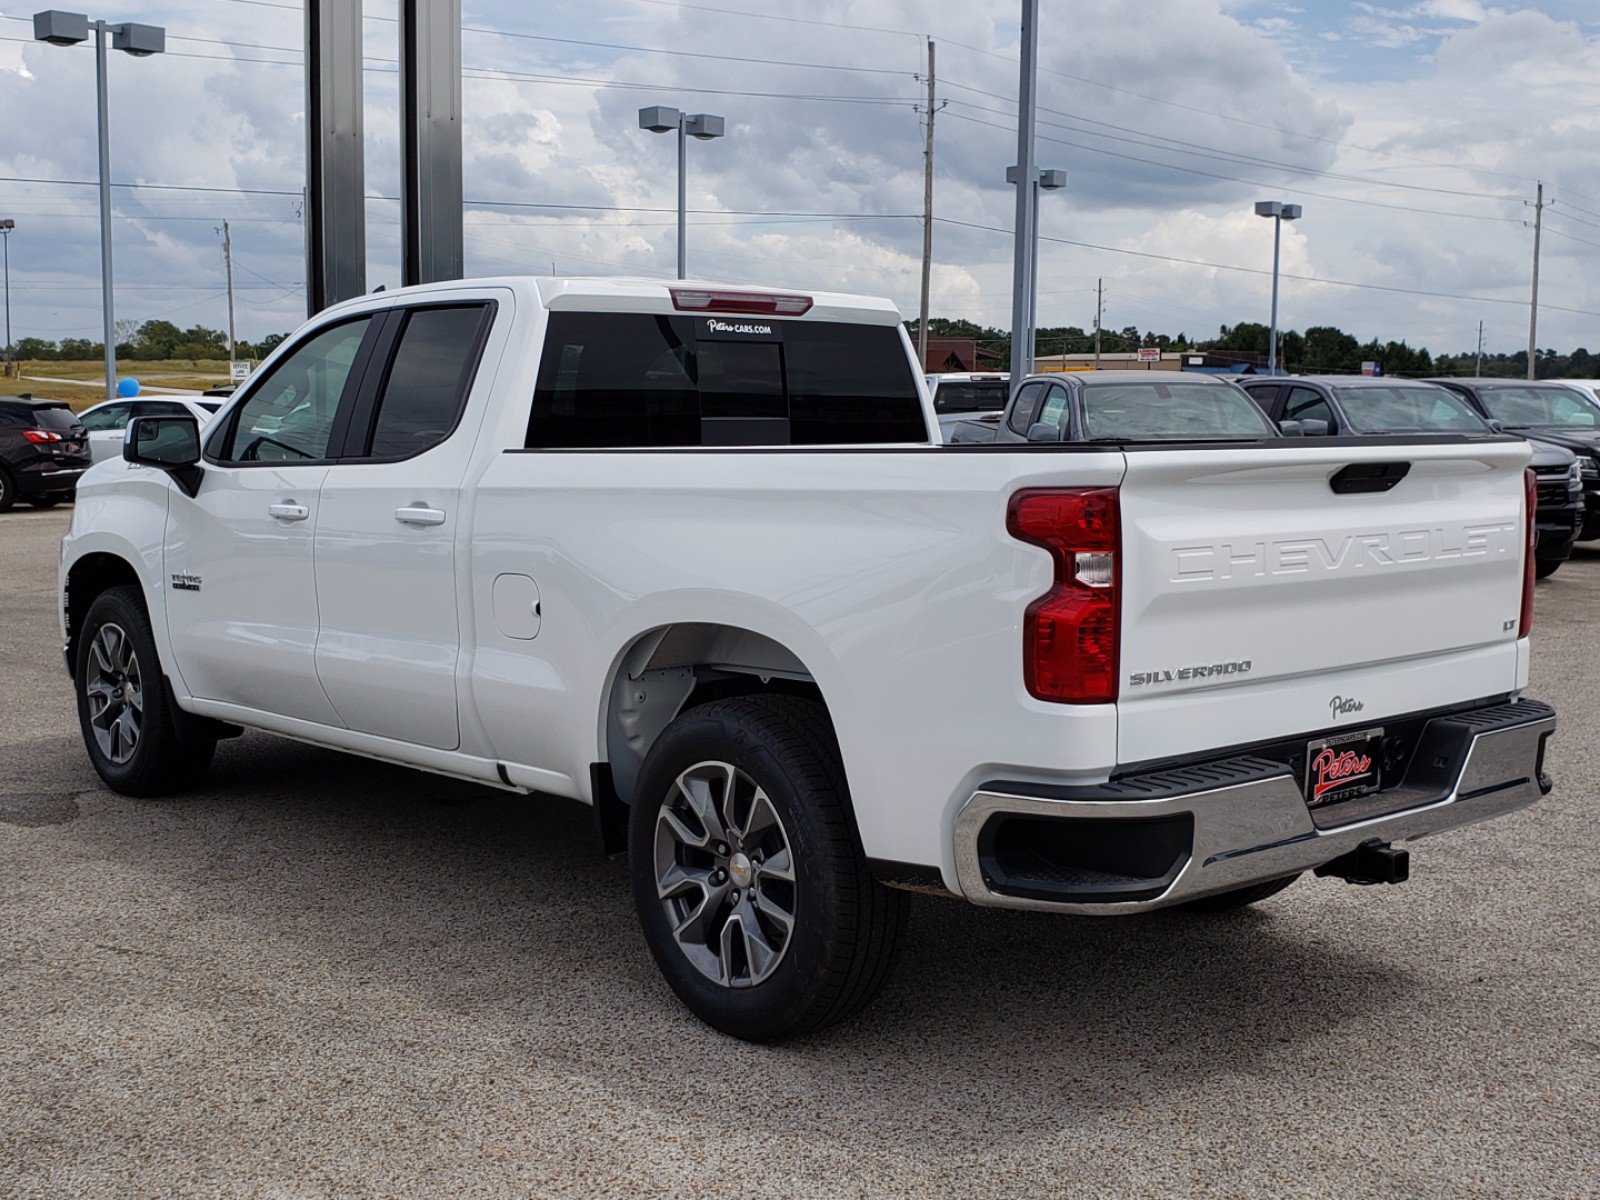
(123, 709)
(747, 871)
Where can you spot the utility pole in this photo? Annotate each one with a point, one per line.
(6, 227)
(227, 262)
(1533, 309)
(1022, 276)
(1479, 372)
(927, 219)
(1099, 300)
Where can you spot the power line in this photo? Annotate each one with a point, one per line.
(1197, 262)
(1202, 150)
(1240, 179)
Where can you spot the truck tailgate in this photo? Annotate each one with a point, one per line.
(1259, 602)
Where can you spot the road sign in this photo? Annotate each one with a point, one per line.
(1149, 353)
(239, 371)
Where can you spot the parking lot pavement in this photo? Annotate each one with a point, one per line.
(322, 977)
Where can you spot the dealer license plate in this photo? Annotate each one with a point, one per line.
(1343, 767)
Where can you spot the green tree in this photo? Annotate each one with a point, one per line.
(35, 348)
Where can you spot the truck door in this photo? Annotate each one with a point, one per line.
(387, 534)
(242, 605)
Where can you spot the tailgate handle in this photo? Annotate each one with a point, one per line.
(1368, 477)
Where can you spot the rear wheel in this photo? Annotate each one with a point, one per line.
(748, 875)
(123, 710)
(1239, 897)
(8, 490)
(1544, 570)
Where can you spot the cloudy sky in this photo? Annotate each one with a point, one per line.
(1412, 134)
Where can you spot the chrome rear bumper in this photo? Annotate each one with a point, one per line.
(1250, 822)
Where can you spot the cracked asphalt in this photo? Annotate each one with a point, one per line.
(323, 977)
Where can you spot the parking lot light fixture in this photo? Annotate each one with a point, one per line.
(660, 118)
(1279, 212)
(60, 28)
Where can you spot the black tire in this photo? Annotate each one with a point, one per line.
(8, 490)
(159, 763)
(1239, 897)
(45, 501)
(1543, 570)
(846, 925)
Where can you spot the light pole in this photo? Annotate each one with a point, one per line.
(658, 118)
(6, 227)
(1022, 265)
(1279, 212)
(68, 29)
(1050, 180)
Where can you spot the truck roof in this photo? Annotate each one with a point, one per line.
(1087, 377)
(625, 294)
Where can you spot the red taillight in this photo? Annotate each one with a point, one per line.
(40, 436)
(765, 303)
(1070, 634)
(1530, 486)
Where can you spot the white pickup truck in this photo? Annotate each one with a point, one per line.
(688, 554)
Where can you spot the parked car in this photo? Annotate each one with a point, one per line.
(1549, 412)
(1090, 406)
(1372, 405)
(1589, 387)
(688, 553)
(958, 396)
(42, 452)
(106, 421)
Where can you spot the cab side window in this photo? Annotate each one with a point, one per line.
(288, 417)
(1307, 404)
(111, 416)
(1054, 410)
(1023, 407)
(428, 380)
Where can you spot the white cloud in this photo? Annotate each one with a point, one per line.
(1127, 87)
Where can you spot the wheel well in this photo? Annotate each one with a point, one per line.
(90, 576)
(678, 667)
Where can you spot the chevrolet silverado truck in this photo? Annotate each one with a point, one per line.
(1367, 404)
(691, 554)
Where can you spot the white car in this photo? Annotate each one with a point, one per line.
(688, 553)
(106, 421)
(960, 396)
(1589, 387)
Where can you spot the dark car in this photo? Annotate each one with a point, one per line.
(1545, 411)
(1369, 405)
(1112, 406)
(43, 450)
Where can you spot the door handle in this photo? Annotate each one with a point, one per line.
(419, 514)
(288, 512)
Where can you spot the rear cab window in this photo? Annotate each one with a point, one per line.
(1170, 411)
(642, 380)
(970, 395)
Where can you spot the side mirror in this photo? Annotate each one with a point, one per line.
(170, 444)
(1291, 429)
(1311, 427)
(1044, 431)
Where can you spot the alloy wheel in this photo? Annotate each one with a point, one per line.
(725, 874)
(116, 693)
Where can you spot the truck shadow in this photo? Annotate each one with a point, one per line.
(470, 908)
